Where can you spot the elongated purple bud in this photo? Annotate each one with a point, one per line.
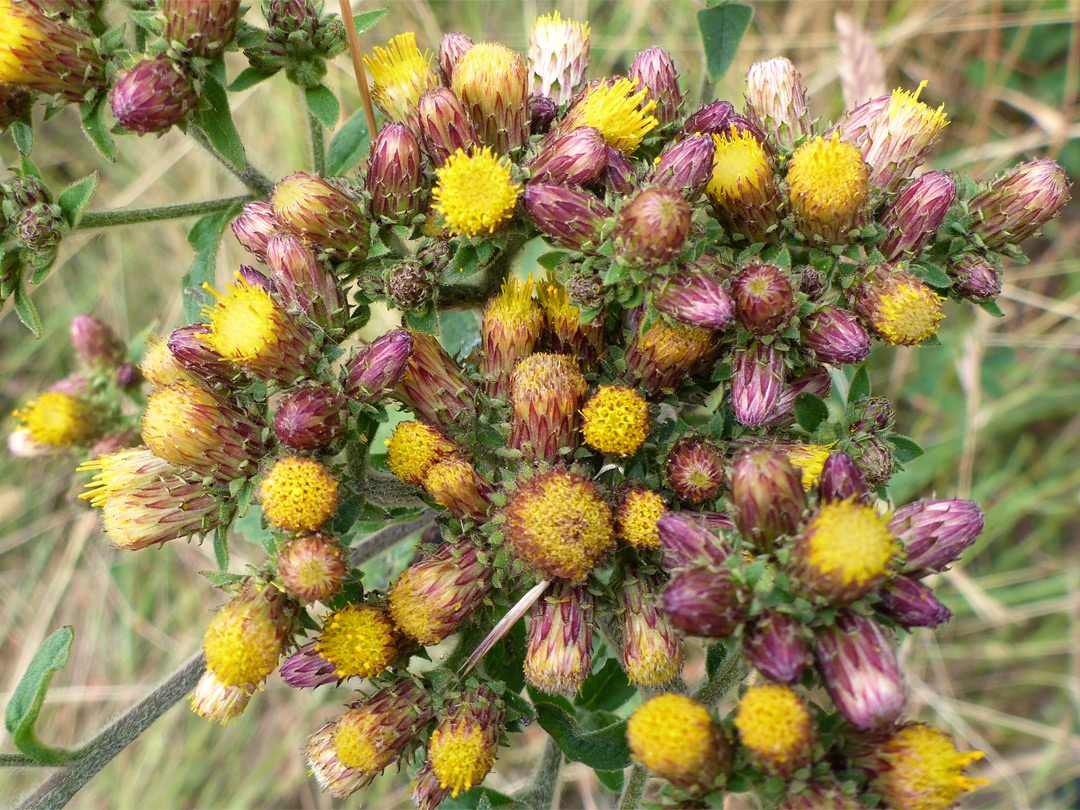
(835, 336)
(188, 345)
(756, 383)
(306, 669)
(558, 651)
(303, 284)
(254, 227)
(711, 119)
(841, 479)
(858, 665)
(872, 415)
(378, 367)
(768, 495)
(572, 218)
(444, 125)
(310, 418)
(916, 214)
(542, 112)
(618, 175)
(816, 381)
(764, 298)
(652, 228)
(1019, 202)
(395, 174)
(974, 278)
(323, 214)
(655, 71)
(688, 543)
(684, 165)
(652, 653)
(203, 27)
(706, 603)
(96, 343)
(434, 386)
(253, 278)
(575, 158)
(696, 298)
(913, 604)
(153, 96)
(451, 49)
(775, 646)
(935, 533)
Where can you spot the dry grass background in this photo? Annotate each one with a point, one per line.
(996, 406)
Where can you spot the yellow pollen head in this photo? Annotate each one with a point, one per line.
(460, 754)
(828, 181)
(921, 769)
(57, 419)
(159, 365)
(18, 31)
(810, 458)
(413, 449)
(907, 312)
(298, 494)
(361, 741)
(515, 305)
(243, 643)
(906, 113)
(615, 420)
(401, 74)
(776, 726)
(637, 517)
(246, 324)
(359, 640)
(556, 303)
(673, 736)
(741, 170)
(476, 193)
(618, 110)
(847, 548)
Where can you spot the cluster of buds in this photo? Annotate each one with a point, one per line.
(300, 40)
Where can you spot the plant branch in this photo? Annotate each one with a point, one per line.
(108, 219)
(386, 538)
(713, 689)
(57, 790)
(20, 761)
(250, 176)
(543, 792)
(633, 788)
(318, 148)
(383, 489)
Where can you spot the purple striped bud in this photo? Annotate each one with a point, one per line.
(48, 55)
(128, 375)
(377, 368)
(818, 796)
(572, 218)
(114, 442)
(310, 418)
(493, 84)
(189, 346)
(254, 227)
(306, 669)
(558, 651)
(312, 567)
(655, 71)
(451, 49)
(916, 214)
(835, 336)
(776, 100)
(858, 666)
(872, 415)
(711, 119)
(684, 165)
(444, 125)
(153, 96)
(651, 229)
(546, 395)
(935, 533)
(688, 543)
(775, 646)
(574, 158)
(542, 112)
(618, 175)
(321, 213)
(303, 284)
(756, 383)
(434, 386)
(1019, 202)
(841, 479)
(875, 457)
(253, 278)
(764, 298)
(96, 343)
(706, 603)
(815, 381)
(410, 285)
(652, 653)
(695, 469)
(768, 495)
(696, 298)
(203, 27)
(974, 278)
(912, 604)
(395, 174)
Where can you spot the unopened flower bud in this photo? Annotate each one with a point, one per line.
(815, 381)
(742, 187)
(409, 285)
(452, 47)
(444, 125)
(695, 297)
(585, 341)
(974, 278)
(394, 175)
(1019, 202)
(153, 96)
(695, 470)
(310, 418)
(574, 158)
(401, 74)
(298, 494)
(819, 796)
(48, 55)
(558, 651)
(493, 83)
(841, 479)
(674, 737)
(542, 112)
(764, 298)
(711, 119)
(828, 187)
(652, 653)
(768, 495)
(775, 646)
(303, 284)
(619, 175)
(663, 357)
(254, 227)
(455, 484)
(835, 336)
(312, 567)
(558, 56)
(776, 100)
(202, 27)
(189, 346)
(935, 533)
(307, 669)
(706, 603)
(96, 343)
(160, 366)
(246, 637)
(688, 543)
(652, 228)
(912, 604)
(113, 443)
(875, 457)
(756, 383)
(15, 102)
(916, 214)
(511, 327)
(322, 214)
(872, 415)
(572, 218)
(775, 726)
(684, 165)
(655, 71)
(39, 229)
(898, 307)
(546, 395)
(377, 368)
(434, 386)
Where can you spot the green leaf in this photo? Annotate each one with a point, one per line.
(459, 331)
(714, 657)
(606, 689)
(426, 321)
(28, 697)
(722, 28)
(348, 146)
(905, 449)
(26, 310)
(478, 798)
(74, 199)
(24, 136)
(221, 547)
(219, 579)
(810, 411)
(612, 780)
(249, 36)
(249, 77)
(217, 122)
(992, 308)
(549, 261)
(604, 749)
(367, 20)
(93, 123)
(323, 105)
(204, 236)
(860, 385)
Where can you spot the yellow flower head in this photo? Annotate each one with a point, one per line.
(492, 82)
(122, 471)
(673, 736)
(515, 307)
(46, 54)
(476, 194)
(432, 597)
(18, 31)
(461, 754)
(359, 640)
(618, 110)
(637, 518)
(900, 309)
(401, 74)
(920, 769)
(213, 700)
(57, 419)
(453, 483)
(299, 494)
(413, 449)
(844, 551)
(159, 365)
(828, 184)
(741, 172)
(615, 420)
(361, 741)
(810, 458)
(776, 726)
(244, 640)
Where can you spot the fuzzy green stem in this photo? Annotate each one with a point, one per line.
(713, 689)
(20, 761)
(249, 176)
(633, 788)
(543, 792)
(318, 149)
(388, 491)
(134, 216)
(387, 538)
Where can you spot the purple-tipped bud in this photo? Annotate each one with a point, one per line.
(188, 345)
(558, 651)
(711, 119)
(618, 175)
(764, 298)
(756, 383)
(253, 278)
(310, 418)
(684, 165)
(695, 470)
(153, 96)
(935, 533)
(974, 278)
(872, 415)
(696, 298)
(127, 375)
(40, 229)
(96, 343)
(841, 479)
(312, 567)
(913, 604)
(204, 27)
(652, 653)
(916, 214)
(835, 336)
(434, 386)
(74, 384)
(395, 174)
(303, 284)
(815, 381)
(775, 646)
(651, 229)
(768, 495)
(409, 285)
(575, 158)
(1019, 202)
(254, 227)
(377, 368)
(306, 669)
(706, 603)
(572, 218)
(444, 125)
(858, 665)
(451, 49)
(542, 112)
(776, 99)
(688, 543)
(875, 457)
(321, 212)
(655, 71)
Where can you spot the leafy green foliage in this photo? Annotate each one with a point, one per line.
(217, 122)
(29, 696)
(204, 237)
(604, 749)
(722, 29)
(348, 146)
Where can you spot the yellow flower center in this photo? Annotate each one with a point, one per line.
(671, 735)
(908, 313)
(905, 115)
(401, 74)
(849, 543)
(556, 304)
(359, 640)
(18, 32)
(58, 420)
(676, 346)
(619, 111)
(159, 365)
(654, 662)
(361, 741)
(242, 644)
(741, 170)
(299, 494)
(515, 306)
(828, 180)
(924, 770)
(413, 449)
(460, 755)
(637, 518)
(117, 472)
(181, 421)
(810, 458)
(476, 194)
(615, 420)
(246, 324)
(773, 723)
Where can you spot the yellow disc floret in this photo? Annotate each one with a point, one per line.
(618, 110)
(242, 643)
(776, 726)
(413, 449)
(922, 770)
(810, 458)
(246, 324)
(637, 518)
(828, 183)
(124, 470)
(615, 420)
(401, 74)
(673, 736)
(845, 550)
(360, 741)
(908, 313)
(18, 31)
(515, 305)
(461, 755)
(299, 494)
(57, 419)
(476, 193)
(359, 640)
(741, 171)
